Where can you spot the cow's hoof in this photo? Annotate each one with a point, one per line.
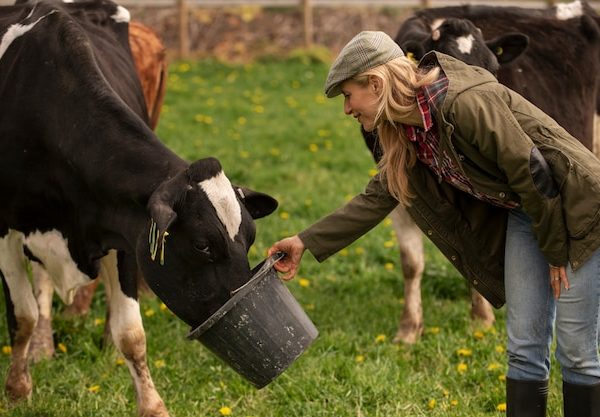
(409, 333)
(18, 387)
(158, 410)
(42, 343)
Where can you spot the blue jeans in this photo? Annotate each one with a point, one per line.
(532, 312)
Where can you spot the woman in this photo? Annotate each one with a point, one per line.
(505, 193)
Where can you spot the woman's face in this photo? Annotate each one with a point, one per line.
(360, 101)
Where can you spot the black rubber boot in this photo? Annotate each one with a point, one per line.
(526, 398)
(581, 400)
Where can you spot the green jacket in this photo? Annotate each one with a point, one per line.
(507, 147)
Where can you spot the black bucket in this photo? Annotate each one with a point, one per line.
(261, 330)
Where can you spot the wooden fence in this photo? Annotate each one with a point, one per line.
(184, 8)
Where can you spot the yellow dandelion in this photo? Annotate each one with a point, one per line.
(313, 147)
(401, 301)
(98, 321)
(163, 307)
(202, 118)
(160, 363)
(461, 368)
(453, 403)
(432, 330)
(242, 120)
(244, 154)
(149, 312)
(344, 252)
(387, 222)
(388, 244)
(291, 102)
(359, 359)
(389, 266)
(7, 350)
(359, 251)
(380, 338)
(323, 133)
(259, 109)
(309, 307)
(183, 67)
(431, 404)
(304, 283)
(284, 215)
(62, 347)
(373, 172)
(275, 151)
(478, 334)
(308, 202)
(225, 411)
(94, 388)
(320, 99)
(501, 407)
(120, 361)
(493, 366)
(502, 378)
(464, 352)
(445, 393)
(499, 349)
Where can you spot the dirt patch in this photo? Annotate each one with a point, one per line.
(243, 33)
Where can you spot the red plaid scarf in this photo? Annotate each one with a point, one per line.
(427, 141)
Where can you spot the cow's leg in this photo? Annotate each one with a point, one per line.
(481, 310)
(42, 342)
(128, 333)
(25, 313)
(410, 242)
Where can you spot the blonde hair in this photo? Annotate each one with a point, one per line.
(400, 81)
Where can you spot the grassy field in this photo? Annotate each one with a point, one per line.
(274, 131)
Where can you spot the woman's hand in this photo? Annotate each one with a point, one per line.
(558, 276)
(293, 248)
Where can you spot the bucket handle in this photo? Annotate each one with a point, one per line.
(267, 264)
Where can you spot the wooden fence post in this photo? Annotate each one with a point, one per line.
(184, 29)
(307, 11)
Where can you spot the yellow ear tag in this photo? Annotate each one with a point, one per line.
(162, 249)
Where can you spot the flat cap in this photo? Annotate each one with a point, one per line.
(366, 50)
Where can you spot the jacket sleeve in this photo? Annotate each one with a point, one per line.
(342, 227)
(483, 119)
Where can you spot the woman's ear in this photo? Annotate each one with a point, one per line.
(375, 83)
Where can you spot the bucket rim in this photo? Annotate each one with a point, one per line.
(264, 268)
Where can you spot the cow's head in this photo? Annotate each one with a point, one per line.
(195, 252)
(461, 39)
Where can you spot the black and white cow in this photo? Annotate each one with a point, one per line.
(559, 72)
(77, 156)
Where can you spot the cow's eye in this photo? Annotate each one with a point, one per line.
(203, 249)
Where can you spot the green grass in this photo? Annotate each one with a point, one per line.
(274, 131)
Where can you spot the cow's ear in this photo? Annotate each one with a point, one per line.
(161, 204)
(413, 49)
(258, 204)
(508, 47)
